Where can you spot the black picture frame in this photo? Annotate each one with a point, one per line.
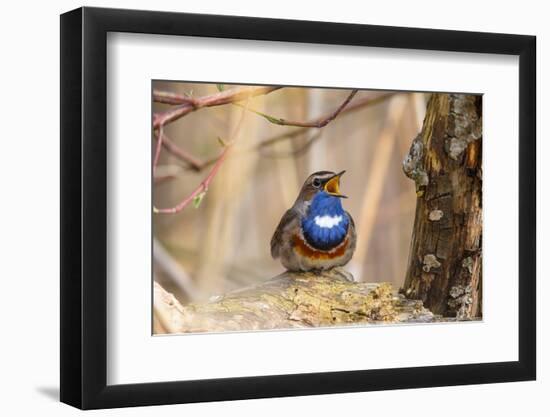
(84, 207)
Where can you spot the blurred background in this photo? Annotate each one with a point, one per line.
(223, 244)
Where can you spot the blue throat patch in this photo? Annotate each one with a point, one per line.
(326, 223)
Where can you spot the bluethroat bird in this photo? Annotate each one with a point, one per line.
(316, 233)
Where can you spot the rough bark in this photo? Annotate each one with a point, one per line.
(444, 268)
(290, 300)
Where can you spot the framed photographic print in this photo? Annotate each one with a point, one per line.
(257, 208)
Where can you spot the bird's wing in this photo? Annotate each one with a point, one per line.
(350, 219)
(277, 238)
(352, 233)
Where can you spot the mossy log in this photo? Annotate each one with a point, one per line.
(445, 260)
(290, 300)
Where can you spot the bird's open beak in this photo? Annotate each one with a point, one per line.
(332, 186)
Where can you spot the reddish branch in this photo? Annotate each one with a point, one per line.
(158, 148)
(189, 104)
(358, 104)
(167, 97)
(316, 123)
(203, 186)
(195, 163)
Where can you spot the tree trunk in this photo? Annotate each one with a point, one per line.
(290, 300)
(445, 259)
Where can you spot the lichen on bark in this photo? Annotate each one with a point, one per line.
(464, 124)
(290, 300)
(412, 166)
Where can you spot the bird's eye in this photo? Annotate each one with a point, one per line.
(316, 182)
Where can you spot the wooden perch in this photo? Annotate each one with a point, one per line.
(290, 300)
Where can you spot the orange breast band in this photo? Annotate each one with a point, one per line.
(305, 250)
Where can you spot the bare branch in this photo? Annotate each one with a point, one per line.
(168, 172)
(317, 123)
(203, 186)
(359, 104)
(296, 152)
(167, 97)
(189, 105)
(159, 136)
(195, 163)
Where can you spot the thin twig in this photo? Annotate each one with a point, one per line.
(359, 104)
(195, 163)
(203, 186)
(228, 96)
(158, 148)
(318, 123)
(159, 179)
(296, 152)
(167, 97)
(167, 172)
